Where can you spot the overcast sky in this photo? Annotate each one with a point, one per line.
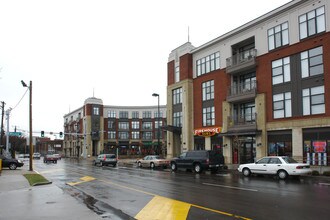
(114, 50)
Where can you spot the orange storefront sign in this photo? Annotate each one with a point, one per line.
(208, 131)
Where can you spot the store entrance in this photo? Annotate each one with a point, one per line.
(247, 154)
(244, 149)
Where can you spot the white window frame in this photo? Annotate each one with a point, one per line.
(313, 100)
(278, 34)
(283, 74)
(282, 105)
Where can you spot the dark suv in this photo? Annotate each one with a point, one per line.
(199, 160)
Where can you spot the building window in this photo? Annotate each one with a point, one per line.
(146, 114)
(312, 62)
(208, 90)
(147, 125)
(156, 134)
(135, 135)
(111, 114)
(123, 114)
(278, 36)
(123, 135)
(135, 125)
(177, 96)
(158, 122)
(208, 116)
(282, 105)
(111, 124)
(177, 74)
(147, 135)
(313, 100)
(208, 64)
(111, 134)
(135, 114)
(177, 119)
(312, 23)
(96, 111)
(281, 71)
(123, 125)
(156, 114)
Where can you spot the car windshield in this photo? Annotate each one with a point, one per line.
(289, 160)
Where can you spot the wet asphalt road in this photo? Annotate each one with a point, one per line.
(130, 192)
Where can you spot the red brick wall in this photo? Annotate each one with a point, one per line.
(221, 83)
(264, 70)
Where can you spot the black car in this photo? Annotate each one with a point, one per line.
(199, 160)
(10, 162)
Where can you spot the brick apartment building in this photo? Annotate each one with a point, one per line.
(131, 131)
(260, 89)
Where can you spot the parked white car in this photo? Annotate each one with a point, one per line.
(282, 166)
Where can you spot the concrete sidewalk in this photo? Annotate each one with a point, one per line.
(19, 200)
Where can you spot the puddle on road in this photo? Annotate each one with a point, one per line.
(102, 209)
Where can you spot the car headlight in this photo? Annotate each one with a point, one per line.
(20, 161)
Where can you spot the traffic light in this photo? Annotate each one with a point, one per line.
(61, 134)
(42, 134)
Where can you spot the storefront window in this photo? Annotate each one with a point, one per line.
(280, 149)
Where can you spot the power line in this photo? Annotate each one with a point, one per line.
(20, 99)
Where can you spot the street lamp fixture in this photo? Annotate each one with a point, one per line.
(30, 122)
(158, 119)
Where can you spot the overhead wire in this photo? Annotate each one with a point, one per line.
(20, 99)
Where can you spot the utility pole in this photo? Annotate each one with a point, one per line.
(2, 115)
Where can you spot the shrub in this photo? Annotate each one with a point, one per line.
(326, 173)
(315, 173)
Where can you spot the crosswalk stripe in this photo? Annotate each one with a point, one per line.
(164, 209)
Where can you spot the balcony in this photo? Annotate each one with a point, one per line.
(241, 61)
(242, 91)
(239, 123)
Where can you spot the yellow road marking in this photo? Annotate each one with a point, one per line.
(164, 209)
(83, 180)
(173, 206)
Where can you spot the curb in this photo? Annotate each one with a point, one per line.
(42, 183)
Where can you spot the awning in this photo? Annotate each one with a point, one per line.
(171, 128)
(241, 133)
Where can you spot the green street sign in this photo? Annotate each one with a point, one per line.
(15, 133)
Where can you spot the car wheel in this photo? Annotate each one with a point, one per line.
(13, 166)
(246, 172)
(197, 168)
(173, 166)
(101, 163)
(114, 165)
(282, 174)
(139, 164)
(152, 165)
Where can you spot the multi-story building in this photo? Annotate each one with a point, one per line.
(95, 128)
(260, 89)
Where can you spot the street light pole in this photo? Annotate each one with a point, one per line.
(158, 130)
(30, 122)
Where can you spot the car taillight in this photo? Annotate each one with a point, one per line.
(207, 161)
(104, 157)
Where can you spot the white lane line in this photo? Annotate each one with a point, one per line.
(325, 184)
(230, 187)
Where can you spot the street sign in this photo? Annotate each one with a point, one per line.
(15, 133)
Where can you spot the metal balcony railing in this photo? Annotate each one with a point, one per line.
(243, 88)
(241, 57)
(246, 119)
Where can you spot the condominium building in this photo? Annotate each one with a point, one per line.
(95, 128)
(260, 89)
